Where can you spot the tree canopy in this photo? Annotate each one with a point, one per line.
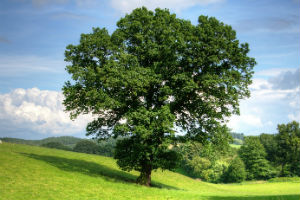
(253, 154)
(288, 151)
(154, 75)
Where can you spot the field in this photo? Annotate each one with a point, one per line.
(31, 172)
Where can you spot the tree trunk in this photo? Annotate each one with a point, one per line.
(145, 176)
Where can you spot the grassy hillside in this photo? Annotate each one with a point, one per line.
(31, 172)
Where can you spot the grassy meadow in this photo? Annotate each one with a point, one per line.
(31, 172)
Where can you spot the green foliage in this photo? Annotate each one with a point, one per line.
(153, 72)
(107, 147)
(235, 172)
(288, 141)
(69, 141)
(207, 161)
(56, 145)
(253, 155)
(204, 168)
(86, 146)
(270, 144)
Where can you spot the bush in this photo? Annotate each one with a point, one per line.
(235, 172)
(203, 161)
(56, 145)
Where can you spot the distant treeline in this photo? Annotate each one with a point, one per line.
(238, 138)
(70, 143)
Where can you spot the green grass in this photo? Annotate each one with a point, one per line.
(285, 179)
(31, 172)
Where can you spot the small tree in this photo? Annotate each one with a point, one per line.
(253, 155)
(235, 172)
(155, 72)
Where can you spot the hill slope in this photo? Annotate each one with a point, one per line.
(31, 172)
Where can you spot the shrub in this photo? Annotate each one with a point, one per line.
(235, 172)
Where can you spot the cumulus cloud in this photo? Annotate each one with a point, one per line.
(127, 6)
(37, 111)
(286, 80)
(273, 101)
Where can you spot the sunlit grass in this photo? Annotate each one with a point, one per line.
(237, 146)
(29, 172)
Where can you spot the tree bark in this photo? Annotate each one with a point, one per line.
(145, 176)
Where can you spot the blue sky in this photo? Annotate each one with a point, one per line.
(35, 33)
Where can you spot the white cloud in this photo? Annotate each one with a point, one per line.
(39, 111)
(237, 122)
(273, 101)
(259, 84)
(294, 117)
(269, 104)
(126, 6)
(286, 80)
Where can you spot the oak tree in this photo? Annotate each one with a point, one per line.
(153, 76)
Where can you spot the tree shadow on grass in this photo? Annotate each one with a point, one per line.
(267, 197)
(91, 169)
